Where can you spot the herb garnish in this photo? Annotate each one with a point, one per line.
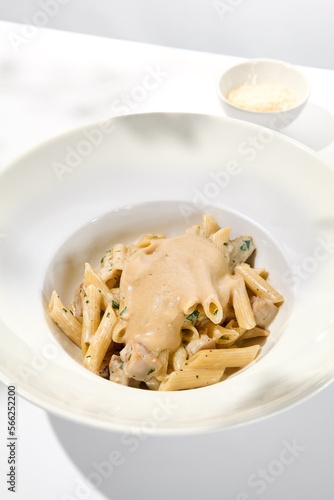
(124, 311)
(224, 337)
(215, 313)
(151, 371)
(245, 245)
(121, 367)
(64, 309)
(114, 304)
(193, 316)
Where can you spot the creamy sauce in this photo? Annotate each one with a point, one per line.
(165, 281)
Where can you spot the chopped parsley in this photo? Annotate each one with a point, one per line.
(121, 367)
(102, 259)
(108, 315)
(64, 309)
(197, 376)
(114, 305)
(151, 371)
(245, 245)
(123, 312)
(224, 337)
(87, 301)
(193, 316)
(100, 291)
(117, 251)
(71, 313)
(215, 313)
(88, 356)
(85, 294)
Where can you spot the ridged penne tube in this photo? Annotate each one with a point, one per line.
(193, 229)
(257, 284)
(113, 264)
(191, 379)
(255, 332)
(178, 358)
(163, 358)
(222, 335)
(208, 226)
(241, 304)
(228, 358)
(189, 306)
(220, 238)
(153, 384)
(92, 278)
(63, 318)
(119, 332)
(260, 270)
(213, 309)
(91, 315)
(190, 333)
(233, 325)
(146, 240)
(101, 340)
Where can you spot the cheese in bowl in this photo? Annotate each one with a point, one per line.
(262, 97)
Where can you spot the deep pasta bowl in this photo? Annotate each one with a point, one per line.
(66, 201)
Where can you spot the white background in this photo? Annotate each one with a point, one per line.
(59, 80)
(297, 31)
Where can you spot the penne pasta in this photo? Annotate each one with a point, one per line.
(163, 357)
(64, 319)
(193, 229)
(241, 303)
(208, 226)
(222, 335)
(255, 332)
(92, 278)
(178, 358)
(91, 315)
(257, 284)
(228, 358)
(220, 238)
(191, 379)
(101, 340)
(189, 333)
(171, 313)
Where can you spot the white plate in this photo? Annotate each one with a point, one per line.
(159, 172)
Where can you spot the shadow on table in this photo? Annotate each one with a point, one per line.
(314, 127)
(146, 467)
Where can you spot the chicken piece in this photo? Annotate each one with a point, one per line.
(204, 342)
(139, 361)
(77, 302)
(239, 250)
(264, 311)
(116, 372)
(104, 373)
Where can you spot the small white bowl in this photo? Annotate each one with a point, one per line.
(264, 71)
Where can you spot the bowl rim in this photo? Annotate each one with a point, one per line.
(264, 60)
(71, 416)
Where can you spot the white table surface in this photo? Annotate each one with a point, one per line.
(53, 81)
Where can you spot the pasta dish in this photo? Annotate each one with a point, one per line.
(171, 313)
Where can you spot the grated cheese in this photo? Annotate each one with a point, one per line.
(262, 97)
